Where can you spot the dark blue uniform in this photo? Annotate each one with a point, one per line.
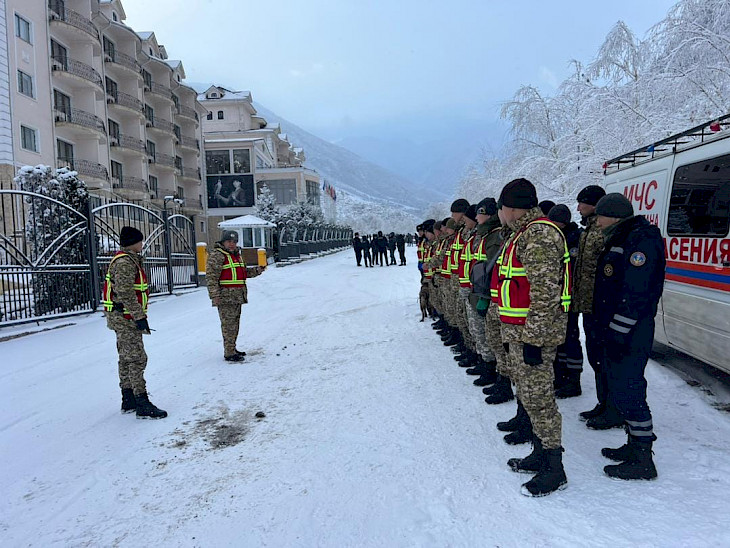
(569, 357)
(629, 284)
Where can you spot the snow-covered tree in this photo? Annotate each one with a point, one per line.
(56, 236)
(266, 206)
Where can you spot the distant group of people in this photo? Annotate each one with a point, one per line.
(380, 249)
(506, 281)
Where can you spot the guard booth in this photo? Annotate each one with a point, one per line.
(253, 234)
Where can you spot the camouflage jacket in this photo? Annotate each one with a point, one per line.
(540, 248)
(584, 268)
(122, 273)
(226, 295)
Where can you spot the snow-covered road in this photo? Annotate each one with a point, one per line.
(373, 435)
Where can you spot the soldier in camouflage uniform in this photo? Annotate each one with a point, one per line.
(226, 276)
(584, 278)
(534, 298)
(125, 295)
(429, 266)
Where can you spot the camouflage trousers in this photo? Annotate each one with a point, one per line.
(534, 388)
(493, 331)
(460, 319)
(130, 347)
(477, 327)
(435, 297)
(230, 315)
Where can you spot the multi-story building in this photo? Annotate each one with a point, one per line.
(90, 93)
(243, 153)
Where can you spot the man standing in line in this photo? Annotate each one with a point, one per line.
(391, 247)
(400, 242)
(357, 246)
(226, 276)
(365, 247)
(569, 361)
(124, 297)
(533, 300)
(603, 415)
(629, 284)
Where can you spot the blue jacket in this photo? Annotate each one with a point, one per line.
(629, 283)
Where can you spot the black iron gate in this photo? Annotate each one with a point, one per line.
(53, 259)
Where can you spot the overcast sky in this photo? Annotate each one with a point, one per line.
(343, 67)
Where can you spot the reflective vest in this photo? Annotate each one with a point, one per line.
(445, 269)
(427, 254)
(421, 251)
(510, 288)
(467, 258)
(233, 273)
(455, 252)
(141, 288)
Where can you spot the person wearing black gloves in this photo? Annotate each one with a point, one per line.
(629, 284)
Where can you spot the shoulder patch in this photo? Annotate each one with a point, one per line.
(573, 252)
(637, 259)
(608, 270)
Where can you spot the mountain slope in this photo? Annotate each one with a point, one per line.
(351, 173)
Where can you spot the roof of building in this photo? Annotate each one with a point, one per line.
(145, 35)
(246, 221)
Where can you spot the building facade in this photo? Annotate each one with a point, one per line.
(243, 153)
(90, 93)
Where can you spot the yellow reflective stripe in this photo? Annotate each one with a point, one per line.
(513, 312)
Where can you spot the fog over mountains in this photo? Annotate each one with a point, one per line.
(353, 174)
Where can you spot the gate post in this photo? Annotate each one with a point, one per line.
(194, 245)
(94, 281)
(168, 250)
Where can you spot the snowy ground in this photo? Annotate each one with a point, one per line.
(373, 435)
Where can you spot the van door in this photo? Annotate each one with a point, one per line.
(696, 301)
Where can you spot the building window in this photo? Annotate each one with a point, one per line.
(114, 132)
(241, 161)
(151, 149)
(109, 48)
(61, 102)
(147, 78)
(178, 163)
(181, 193)
(117, 173)
(114, 16)
(220, 115)
(700, 200)
(312, 193)
(202, 223)
(149, 114)
(153, 184)
(28, 139)
(209, 116)
(22, 29)
(65, 153)
(217, 161)
(25, 84)
(284, 190)
(112, 89)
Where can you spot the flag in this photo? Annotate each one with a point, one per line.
(715, 127)
(650, 149)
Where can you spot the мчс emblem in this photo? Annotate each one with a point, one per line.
(608, 270)
(638, 258)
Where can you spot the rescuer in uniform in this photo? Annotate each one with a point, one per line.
(629, 284)
(533, 298)
(124, 297)
(226, 276)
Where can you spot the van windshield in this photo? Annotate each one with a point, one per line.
(700, 201)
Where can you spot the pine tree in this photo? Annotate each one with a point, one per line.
(266, 206)
(56, 235)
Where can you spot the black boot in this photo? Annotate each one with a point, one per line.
(639, 466)
(597, 410)
(235, 357)
(570, 387)
(486, 379)
(622, 453)
(531, 463)
(515, 422)
(479, 367)
(145, 408)
(522, 435)
(129, 404)
(503, 392)
(607, 420)
(496, 385)
(551, 476)
(468, 360)
(454, 339)
(459, 347)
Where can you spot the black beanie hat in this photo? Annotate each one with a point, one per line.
(459, 206)
(560, 214)
(520, 194)
(471, 212)
(427, 225)
(546, 206)
(437, 225)
(488, 206)
(591, 194)
(615, 205)
(130, 236)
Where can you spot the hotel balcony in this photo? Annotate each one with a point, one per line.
(160, 91)
(76, 70)
(187, 112)
(190, 174)
(189, 143)
(89, 172)
(125, 101)
(85, 122)
(68, 20)
(123, 60)
(161, 125)
(127, 143)
(135, 184)
(164, 161)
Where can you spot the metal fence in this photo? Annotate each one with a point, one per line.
(301, 242)
(53, 258)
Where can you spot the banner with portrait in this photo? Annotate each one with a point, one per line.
(228, 191)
